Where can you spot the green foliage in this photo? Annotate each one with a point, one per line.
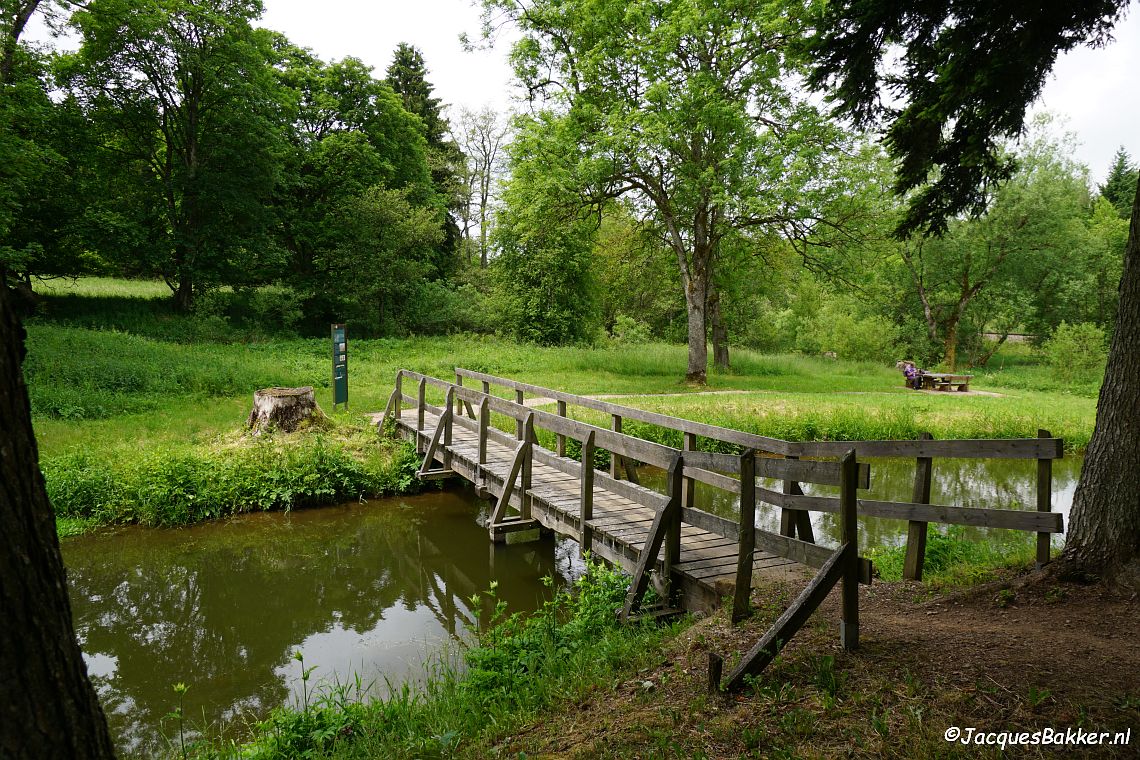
(184, 99)
(177, 486)
(631, 331)
(1119, 186)
(965, 88)
(544, 287)
(955, 559)
(1077, 352)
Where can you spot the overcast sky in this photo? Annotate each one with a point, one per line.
(1094, 90)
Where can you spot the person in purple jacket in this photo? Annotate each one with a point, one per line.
(913, 374)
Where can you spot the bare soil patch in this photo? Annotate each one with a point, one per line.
(1008, 656)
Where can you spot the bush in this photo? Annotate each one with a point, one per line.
(630, 331)
(838, 327)
(1076, 352)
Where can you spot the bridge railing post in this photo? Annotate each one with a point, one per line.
(398, 403)
(689, 486)
(1044, 500)
(615, 459)
(746, 536)
(484, 423)
(527, 466)
(795, 523)
(849, 521)
(449, 413)
(916, 529)
(672, 547)
(586, 495)
(421, 401)
(561, 438)
(519, 424)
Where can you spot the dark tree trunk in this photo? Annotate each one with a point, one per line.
(1104, 526)
(184, 294)
(719, 332)
(48, 708)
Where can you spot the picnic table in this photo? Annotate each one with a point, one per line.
(941, 381)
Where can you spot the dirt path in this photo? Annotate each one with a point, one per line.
(1051, 656)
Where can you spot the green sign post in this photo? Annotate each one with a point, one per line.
(340, 366)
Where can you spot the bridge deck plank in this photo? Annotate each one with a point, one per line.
(706, 558)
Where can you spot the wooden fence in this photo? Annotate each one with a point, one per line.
(793, 469)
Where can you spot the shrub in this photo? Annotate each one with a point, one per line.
(1077, 351)
(631, 331)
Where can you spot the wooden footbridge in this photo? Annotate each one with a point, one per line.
(692, 558)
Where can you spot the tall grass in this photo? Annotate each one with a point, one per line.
(166, 486)
(954, 559)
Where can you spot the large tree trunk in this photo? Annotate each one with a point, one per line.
(719, 332)
(950, 345)
(1104, 525)
(47, 706)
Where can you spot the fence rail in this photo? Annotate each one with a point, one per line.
(793, 469)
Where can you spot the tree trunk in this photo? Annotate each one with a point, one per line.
(48, 708)
(719, 333)
(284, 409)
(950, 346)
(1104, 525)
(694, 278)
(184, 295)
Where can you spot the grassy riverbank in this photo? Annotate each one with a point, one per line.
(129, 399)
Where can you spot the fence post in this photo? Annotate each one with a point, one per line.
(586, 496)
(484, 423)
(561, 451)
(449, 412)
(916, 530)
(746, 536)
(420, 401)
(672, 547)
(848, 506)
(528, 461)
(689, 486)
(397, 406)
(795, 521)
(486, 388)
(1044, 500)
(615, 468)
(519, 399)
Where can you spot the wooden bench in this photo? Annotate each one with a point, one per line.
(943, 382)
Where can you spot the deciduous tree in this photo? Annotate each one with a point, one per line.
(186, 94)
(969, 70)
(682, 107)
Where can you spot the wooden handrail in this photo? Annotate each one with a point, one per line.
(718, 470)
(1002, 448)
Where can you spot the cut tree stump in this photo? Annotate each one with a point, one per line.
(283, 409)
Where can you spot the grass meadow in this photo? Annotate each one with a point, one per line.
(122, 388)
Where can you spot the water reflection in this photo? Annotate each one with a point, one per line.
(373, 589)
(992, 483)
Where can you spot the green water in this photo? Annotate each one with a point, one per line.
(374, 589)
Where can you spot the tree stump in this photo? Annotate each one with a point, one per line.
(283, 409)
